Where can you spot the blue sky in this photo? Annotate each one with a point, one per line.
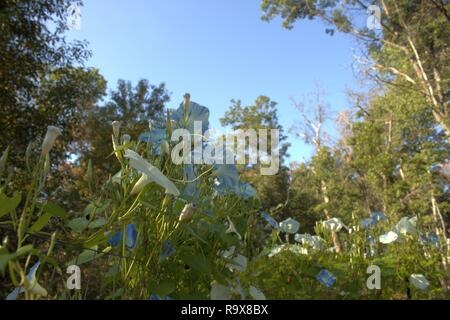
(217, 50)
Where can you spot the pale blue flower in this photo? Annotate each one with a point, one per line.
(289, 226)
(31, 285)
(326, 278)
(419, 281)
(334, 224)
(196, 113)
(432, 239)
(270, 220)
(406, 226)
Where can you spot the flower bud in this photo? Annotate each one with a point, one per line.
(187, 212)
(126, 138)
(46, 165)
(116, 128)
(140, 184)
(165, 149)
(186, 103)
(168, 125)
(49, 139)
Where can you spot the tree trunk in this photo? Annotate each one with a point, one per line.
(439, 220)
(334, 235)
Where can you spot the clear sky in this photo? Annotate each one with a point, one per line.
(217, 50)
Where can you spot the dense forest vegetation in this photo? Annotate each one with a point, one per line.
(86, 177)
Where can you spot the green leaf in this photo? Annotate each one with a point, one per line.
(98, 207)
(5, 256)
(85, 256)
(9, 204)
(78, 224)
(97, 223)
(198, 263)
(41, 222)
(24, 250)
(95, 240)
(54, 210)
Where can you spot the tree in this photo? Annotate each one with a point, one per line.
(263, 114)
(412, 44)
(39, 86)
(133, 107)
(311, 130)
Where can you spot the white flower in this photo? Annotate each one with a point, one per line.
(406, 226)
(30, 285)
(313, 241)
(232, 228)
(289, 226)
(220, 292)
(389, 237)
(49, 139)
(276, 250)
(140, 164)
(256, 293)
(298, 249)
(116, 128)
(334, 224)
(419, 281)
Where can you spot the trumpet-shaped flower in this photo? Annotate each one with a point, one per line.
(30, 285)
(389, 237)
(126, 138)
(314, 242)
(270, 220)
(130, 237)
(140, 184)
(232, 228)
(290, 226)
(256, 294)
(140, 164)
(239, 263)
(49, 139)
(419, 281)
(406, 226)
(334, 224)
